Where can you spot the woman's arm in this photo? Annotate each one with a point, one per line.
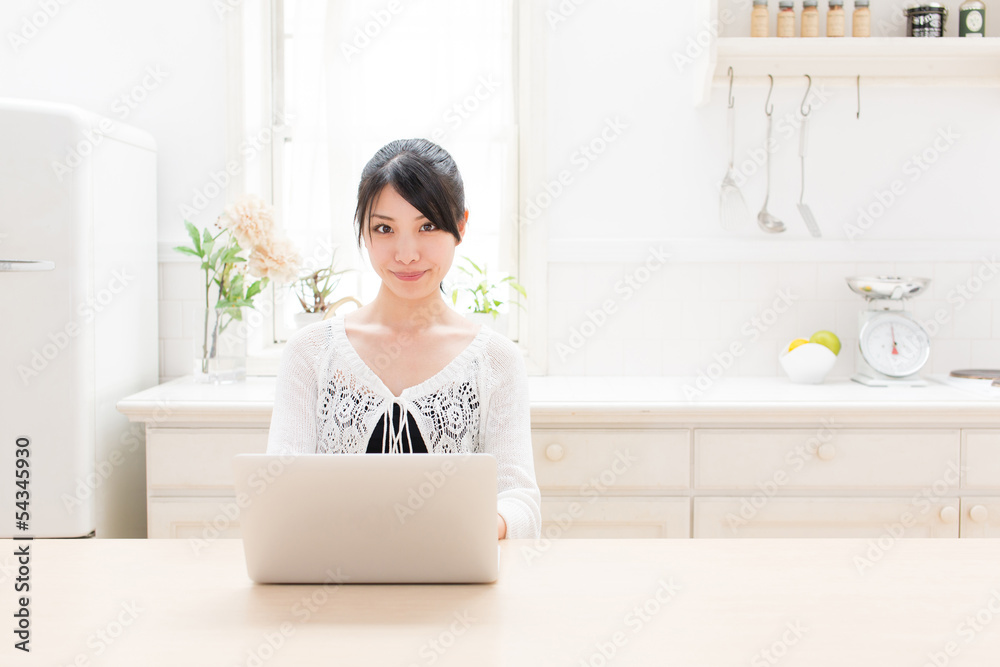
(508, 438)
(293, 420)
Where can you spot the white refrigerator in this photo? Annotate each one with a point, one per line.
(78, 297)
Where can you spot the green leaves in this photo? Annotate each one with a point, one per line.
(482, 293)
(219, 261)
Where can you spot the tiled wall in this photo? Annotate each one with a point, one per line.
(687, 315)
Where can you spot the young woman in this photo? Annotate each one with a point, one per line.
(406, 373)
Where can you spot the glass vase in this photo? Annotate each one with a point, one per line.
(221, 346)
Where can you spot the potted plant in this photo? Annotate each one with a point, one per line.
(245, 226)
(314, 288)
(485, 296)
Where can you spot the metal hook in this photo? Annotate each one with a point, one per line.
(859, 97)
(731, 100)
(768, 107)
(804, 108)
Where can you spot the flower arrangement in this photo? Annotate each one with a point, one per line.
(245, 225)
(483, 291)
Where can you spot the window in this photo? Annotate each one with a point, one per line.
(326, 84)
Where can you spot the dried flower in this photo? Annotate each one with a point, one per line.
(278, 261)
(250, 220)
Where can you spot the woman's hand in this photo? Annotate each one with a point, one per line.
(501, 528)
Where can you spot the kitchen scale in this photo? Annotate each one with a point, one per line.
(894, 346)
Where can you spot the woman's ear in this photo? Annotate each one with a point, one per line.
(461, 226)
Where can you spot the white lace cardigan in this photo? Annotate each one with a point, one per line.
(328, 400)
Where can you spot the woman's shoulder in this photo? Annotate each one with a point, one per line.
(501, 353)
(312, 340)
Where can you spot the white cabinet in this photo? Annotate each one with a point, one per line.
(190, 489)
(830, 458)
(980, 517)
(606, 482)
(843, 460)
(615, 517)
(980, 483)
(602, 461)
(763, 516)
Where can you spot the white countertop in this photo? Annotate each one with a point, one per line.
(646, 400)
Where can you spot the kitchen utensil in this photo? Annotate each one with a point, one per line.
(767, 221)
(733, 211)
(894, 345)
(804, 209)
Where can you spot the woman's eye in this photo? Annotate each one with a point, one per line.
(430, 224)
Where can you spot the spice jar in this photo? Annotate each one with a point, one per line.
(759, 19)
(810, 19)
(972, 19)
(786, 18)
(861, 25)
(835, 19)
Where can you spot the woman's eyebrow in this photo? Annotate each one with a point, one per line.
(386, 217)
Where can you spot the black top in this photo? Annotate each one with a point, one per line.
(375, 442)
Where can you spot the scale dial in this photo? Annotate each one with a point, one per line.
(894, 345)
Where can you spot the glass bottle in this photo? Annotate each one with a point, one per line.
(786, 18)
(810, 19)
(972, 19)
(835, 19)
(861, 25)
(759, 19)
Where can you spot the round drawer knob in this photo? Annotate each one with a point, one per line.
(948, 514)
(978, 513)
(554, 452)
(826, 451)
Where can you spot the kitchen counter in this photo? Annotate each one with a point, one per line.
(561, 602)
(637, 400)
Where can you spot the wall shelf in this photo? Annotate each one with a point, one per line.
(906, 60)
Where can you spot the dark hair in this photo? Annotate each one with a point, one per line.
(423, 174)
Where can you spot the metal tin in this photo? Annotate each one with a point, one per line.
(926, 19)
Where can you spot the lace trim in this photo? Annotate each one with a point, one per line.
(446, 406)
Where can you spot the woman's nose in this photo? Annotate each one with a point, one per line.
(406, 249)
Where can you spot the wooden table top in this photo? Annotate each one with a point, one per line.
(562, 602)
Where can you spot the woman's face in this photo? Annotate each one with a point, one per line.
(409, 252)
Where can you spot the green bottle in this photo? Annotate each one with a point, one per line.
(972, 19)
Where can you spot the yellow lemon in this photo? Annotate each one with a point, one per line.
(795, 343)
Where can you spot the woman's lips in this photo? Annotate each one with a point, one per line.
(409, 276)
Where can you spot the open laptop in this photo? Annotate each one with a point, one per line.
(367, 518)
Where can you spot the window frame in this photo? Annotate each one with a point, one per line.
(529, 239)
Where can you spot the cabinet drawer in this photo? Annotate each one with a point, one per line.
(826, 517)
(826, 458)
(597, 462)
(980, 517)
(197, 459)
(201, 520)
(981, 459)
(615, 517)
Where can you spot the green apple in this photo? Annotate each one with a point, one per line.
(827, 338)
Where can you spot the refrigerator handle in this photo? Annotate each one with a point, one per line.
(26, 265)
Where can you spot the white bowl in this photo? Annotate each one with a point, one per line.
(808, 363)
